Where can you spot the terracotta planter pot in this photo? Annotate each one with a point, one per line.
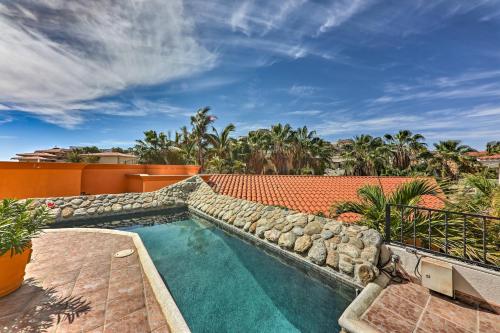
(12, 270)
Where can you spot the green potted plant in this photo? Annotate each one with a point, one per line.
(20, 221)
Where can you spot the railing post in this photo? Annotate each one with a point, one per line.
(465, 236)
(430, 229)
(415, 213)
(387, 223)
(446, 232)
(484, 240)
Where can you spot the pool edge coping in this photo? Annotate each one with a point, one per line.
(171, 312)
(350, 320)
(324, 272)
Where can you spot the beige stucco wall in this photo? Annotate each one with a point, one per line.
(117, 160)
(472, 280)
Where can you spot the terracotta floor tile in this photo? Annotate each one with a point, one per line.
(39, 272)
(61, 291)
(431, 323)
(402, 306)
(46, 311)
(18, 300)
(9, 323)
(84, 286)
(411, 292)
(135, 322)
(98, 260)
(95, 296)
(122, 306)
(65, 266)
(387, 321)
(128, 274)
(35, 322)
(488, 322)
(163, 329)
(101, 270)
(460, 314)
(155, 315)
(83, 321)
(118, 263)
(55, 280)
(131, 290)
(75, 269)
(95, 330)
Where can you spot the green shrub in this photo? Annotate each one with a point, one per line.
(20, 221)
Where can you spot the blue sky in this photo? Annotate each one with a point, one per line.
(102, 72)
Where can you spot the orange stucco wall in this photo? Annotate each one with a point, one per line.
(108, 178)
(152, 169)
(32, 180)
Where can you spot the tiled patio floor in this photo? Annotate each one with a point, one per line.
(405, 308)
(74, 284)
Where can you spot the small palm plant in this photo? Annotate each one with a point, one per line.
(373, 200)
(19, 223)
(422, 227)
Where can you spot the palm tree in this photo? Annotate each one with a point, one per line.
(302, 147)
(74, 156)
(280, 139)
(154, 148)
(200, 122)
(477, 196)
(449, 159)
(408, 222)
(373, 201)
(258, 144)
(221, 143)
(217, 165)
(405, 148)
(493, 147)
(364, 155)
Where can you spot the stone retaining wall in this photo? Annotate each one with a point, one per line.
(85, 206)
(349, 249)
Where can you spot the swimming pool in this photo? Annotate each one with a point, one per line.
(223, 284)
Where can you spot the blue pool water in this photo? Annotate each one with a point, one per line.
(223, 284)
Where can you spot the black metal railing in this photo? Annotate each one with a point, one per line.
(472, 238)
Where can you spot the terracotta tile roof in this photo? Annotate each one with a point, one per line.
(477, 153)
(309, 194)
(489, 157)
(484, 155)
(36, 154)
(32, 158)
(109, 154)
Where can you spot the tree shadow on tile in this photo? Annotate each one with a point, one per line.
(46, 309)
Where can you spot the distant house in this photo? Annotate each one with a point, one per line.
(55, 154)
(488, 160)
(113, 158)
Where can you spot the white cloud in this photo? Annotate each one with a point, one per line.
(87, 50)
(251, 17)
(341, 11)
(484, 111)
(479, 84)
(436, 124)
(5, 120)
(302, 90)
(305, 113)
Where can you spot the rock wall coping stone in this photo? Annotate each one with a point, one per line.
(91, 206)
